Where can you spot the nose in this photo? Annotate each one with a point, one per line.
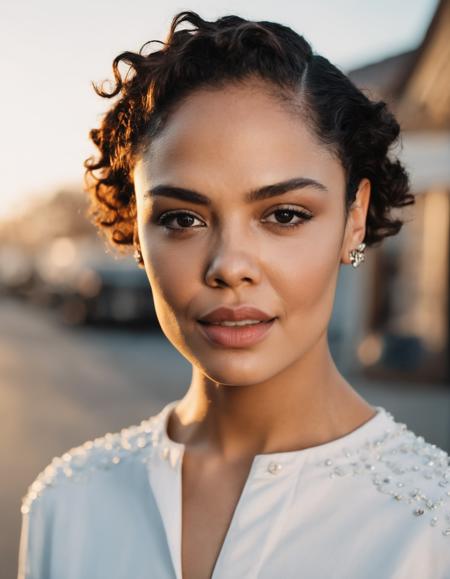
(232, 261)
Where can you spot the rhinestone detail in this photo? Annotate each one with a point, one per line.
(396, 460)
(102, 453)
(399, 459)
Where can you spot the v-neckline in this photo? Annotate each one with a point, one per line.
(168, 485)
(165, 477)
(230, 528)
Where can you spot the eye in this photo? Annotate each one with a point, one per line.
(285, 215)
(183, 218)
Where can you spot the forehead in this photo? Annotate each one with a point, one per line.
(238, 135)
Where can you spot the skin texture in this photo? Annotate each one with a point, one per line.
(285, 392)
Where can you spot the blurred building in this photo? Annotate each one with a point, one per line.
(396, 315)
(47, 218)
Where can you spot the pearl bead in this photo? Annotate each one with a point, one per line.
(274, 467)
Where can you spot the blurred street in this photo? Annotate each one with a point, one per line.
(61, 386)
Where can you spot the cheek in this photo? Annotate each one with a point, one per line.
(305, 275)
(173, 276)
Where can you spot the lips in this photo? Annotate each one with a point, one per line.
(238, 336)
(244, 312)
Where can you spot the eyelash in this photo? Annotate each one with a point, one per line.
(168, 215)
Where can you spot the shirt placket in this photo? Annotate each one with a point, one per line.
(258, 517)
(164, 474)
(256, 520)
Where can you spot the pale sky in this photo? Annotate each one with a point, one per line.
(51, 50)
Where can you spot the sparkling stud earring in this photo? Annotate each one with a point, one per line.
(138, 255)
(357, 255)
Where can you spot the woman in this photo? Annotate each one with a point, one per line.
(244, 170)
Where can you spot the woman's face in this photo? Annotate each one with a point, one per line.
(279, 253)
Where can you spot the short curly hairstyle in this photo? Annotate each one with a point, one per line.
(357, 130)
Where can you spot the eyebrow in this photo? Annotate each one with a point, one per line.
(259, 194)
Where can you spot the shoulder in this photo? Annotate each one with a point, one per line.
(81, 463)
(417, 473)
(410, 472)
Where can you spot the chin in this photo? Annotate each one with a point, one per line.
(236, 373)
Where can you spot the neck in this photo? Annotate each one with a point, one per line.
(309, 403)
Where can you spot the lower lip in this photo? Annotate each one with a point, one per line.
(236, 336)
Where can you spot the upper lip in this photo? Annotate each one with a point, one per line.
(244, 312)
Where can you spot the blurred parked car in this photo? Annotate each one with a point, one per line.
(16, 271)
(85, 285)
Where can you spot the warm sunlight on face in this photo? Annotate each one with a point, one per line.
(278, 253)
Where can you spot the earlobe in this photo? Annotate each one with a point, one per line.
(357, 255)
(354, 247)
(137, 247)
(138, 255)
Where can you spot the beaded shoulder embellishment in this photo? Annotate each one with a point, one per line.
(101, 453)
(396, 463)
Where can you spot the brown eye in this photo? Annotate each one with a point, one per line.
(182, 218)
(285, 215)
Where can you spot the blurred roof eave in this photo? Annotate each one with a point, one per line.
(415, 83)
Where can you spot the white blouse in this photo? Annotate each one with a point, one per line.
(373, 504)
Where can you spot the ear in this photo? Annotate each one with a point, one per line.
(137, 246)
(355, 228)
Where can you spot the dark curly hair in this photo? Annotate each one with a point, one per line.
(357, 130)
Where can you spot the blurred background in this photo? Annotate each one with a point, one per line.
(81, 351)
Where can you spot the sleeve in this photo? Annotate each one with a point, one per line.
(35, 540)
